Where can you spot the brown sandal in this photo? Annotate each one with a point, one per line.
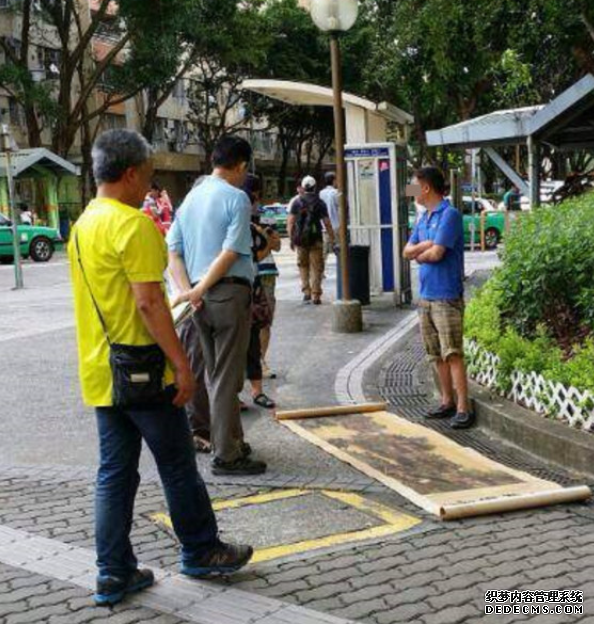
(201, 445)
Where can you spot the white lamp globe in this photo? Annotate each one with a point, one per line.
(334, 15)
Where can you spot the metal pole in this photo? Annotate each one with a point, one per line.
(456, 189)
(16, 244)
(340, 164)
(473, 222)
(534, 167)
(16, 247)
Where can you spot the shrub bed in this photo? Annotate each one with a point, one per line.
(536, 313)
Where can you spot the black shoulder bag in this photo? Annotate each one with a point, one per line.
(137, 371)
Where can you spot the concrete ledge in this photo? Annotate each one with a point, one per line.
(552, 441)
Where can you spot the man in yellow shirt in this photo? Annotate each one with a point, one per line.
(117, 260)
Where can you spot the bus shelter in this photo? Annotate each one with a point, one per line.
(37, 164)
(565, 124)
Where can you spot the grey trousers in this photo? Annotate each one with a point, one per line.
(198, 409)
(223, 325)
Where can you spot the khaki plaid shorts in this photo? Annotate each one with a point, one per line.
(269, 286)
(442, 327)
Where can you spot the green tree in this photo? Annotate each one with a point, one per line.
(67, 100)
(188, 32)
(449, 60)
(222, 62)
(299, 53)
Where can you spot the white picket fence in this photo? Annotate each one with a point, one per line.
(531, 390)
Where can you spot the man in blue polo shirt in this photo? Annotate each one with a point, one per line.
(437, 244)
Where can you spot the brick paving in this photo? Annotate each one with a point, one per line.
(437, 573)
(441, 575)
(27, 598)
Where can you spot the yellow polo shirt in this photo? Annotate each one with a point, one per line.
(119, 245)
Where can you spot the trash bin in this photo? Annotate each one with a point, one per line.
(358, 274)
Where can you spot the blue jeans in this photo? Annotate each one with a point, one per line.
(165, 429)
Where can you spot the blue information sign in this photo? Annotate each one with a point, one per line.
(372, 152)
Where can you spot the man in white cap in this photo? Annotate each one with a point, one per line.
(306, 217)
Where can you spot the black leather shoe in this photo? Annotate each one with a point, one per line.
(463, 420)
(112, 589)
(221, 560)
(443, 411)
(243, 466)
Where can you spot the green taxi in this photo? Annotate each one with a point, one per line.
(494, 222)
(37, 242)
(276, 215)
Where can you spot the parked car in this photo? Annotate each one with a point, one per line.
(276, 213)
(37, 242)
(494, 222)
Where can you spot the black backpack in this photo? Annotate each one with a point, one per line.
(307, 230)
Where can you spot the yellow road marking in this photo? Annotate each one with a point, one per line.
(394, 521)
(163, 519)
(387, 514)
(258, 499)
(276, 552)
(236, 503)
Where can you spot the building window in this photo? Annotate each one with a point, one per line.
(51, 62)
(107, 80)
(15, 45)
(15, 112)
(179, 90)
(263, 142)
(113, 122)
(48, 63)
(5, 4)
(109, 28)
(159, 134)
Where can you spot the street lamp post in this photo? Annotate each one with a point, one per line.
(336, 17)
(6, 148)
(340, 164)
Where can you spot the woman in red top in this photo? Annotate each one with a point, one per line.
(157, 206)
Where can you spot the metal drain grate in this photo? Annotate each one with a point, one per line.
(400, 384)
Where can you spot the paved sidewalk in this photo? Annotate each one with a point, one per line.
(432, 572)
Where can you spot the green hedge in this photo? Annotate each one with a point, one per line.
(548, 272)
(537, 311)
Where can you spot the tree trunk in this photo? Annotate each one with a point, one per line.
(149, 124)
(87, 182)
(310, 146)
(284, 166)
(33, 129)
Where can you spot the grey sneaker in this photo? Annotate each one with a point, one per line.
(463, 420)
(443, 411)
(112, 589)
(223, 559)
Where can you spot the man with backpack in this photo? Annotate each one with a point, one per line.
(304, 225)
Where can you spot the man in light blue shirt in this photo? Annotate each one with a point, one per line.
(329, 195)
(214, 216)
(210, 259)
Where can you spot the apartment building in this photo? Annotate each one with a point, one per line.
(179, 157)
